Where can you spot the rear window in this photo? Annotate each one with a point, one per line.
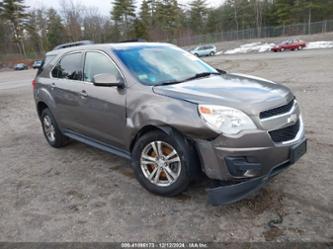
(47, 60)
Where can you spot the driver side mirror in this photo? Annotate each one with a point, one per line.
(107, 80)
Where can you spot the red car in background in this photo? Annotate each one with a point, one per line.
(289, 45)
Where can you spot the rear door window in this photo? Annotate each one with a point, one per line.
(69, 67)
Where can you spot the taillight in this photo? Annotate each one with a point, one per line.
(34, 82)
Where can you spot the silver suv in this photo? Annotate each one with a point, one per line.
(174, 116)
(204, 50)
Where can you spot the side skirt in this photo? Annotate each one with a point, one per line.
(97, 144)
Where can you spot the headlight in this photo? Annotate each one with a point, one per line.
(225, 119)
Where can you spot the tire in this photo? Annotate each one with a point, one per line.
(163, 182)
(197, 55)
(212, 54)
(51, 130)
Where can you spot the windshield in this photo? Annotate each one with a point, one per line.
(157, 64)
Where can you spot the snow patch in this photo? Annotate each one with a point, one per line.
(251, 47)
(260, 47)
(319, 44)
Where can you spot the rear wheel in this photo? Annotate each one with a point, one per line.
(162, 163)
(51, 131)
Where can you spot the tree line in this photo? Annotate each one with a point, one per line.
(33, 31)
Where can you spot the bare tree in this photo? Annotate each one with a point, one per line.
(93, 23)
(72, 14)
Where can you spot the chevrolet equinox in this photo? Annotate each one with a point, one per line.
(173, 115)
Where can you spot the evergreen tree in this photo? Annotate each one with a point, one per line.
(309, 9)
(167, 15)
(198, 17)
(14, 12)
(32, 31)
(56, 29)
(283, 10)
(146, 13)
(152, 8)
(214, 21)
(145, 22)
(140, 30)
(122, 13)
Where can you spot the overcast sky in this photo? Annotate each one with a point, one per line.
(103, 5)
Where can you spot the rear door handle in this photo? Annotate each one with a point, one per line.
(84, 93)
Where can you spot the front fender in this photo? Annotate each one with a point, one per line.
(146, 108)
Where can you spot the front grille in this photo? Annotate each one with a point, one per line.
(285, 134)
(276, 111)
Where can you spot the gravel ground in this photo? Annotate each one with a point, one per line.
(81, 194)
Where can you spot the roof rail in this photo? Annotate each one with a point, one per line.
(134, 40)
(73, 44)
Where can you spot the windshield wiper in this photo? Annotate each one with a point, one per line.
(196, 76)
(201, 75)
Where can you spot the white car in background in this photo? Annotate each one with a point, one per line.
(204, 50)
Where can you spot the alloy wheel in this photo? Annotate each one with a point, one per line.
(160, 163)
(49, 129)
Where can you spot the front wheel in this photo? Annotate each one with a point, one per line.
(212, 54)
(162, 163)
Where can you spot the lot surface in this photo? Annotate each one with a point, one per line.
(81, 194)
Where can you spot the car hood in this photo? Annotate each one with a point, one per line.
(244, 92)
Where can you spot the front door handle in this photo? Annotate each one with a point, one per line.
(84, 93)
(53, 85)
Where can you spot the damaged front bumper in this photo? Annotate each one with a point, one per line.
(225, 194)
